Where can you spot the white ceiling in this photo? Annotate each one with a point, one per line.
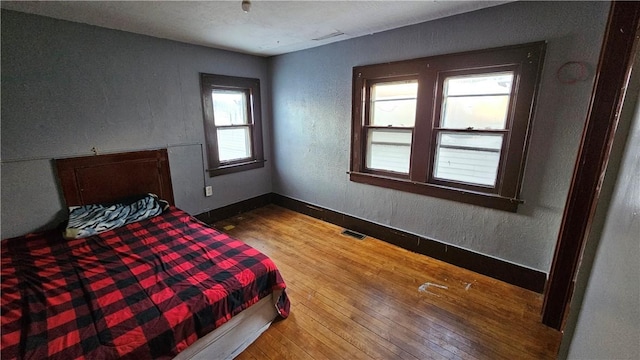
(269, 28)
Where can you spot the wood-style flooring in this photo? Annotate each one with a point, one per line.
(367, 299)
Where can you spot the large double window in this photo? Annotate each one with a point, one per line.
(452, 126)
(232, 123)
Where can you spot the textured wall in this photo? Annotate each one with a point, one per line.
(68, 87)
(311, 93)
(604, 322)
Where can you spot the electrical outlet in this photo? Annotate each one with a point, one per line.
(208, 190)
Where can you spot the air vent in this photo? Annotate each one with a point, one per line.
(353, 234)
(329, 36)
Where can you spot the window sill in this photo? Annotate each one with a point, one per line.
(470, 197)
(232, 168)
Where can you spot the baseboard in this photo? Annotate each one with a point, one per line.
(527, 278)
(228, 211)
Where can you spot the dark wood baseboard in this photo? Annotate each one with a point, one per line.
(498, 269)
(228, 211)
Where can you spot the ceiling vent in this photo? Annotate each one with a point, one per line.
(333, 34)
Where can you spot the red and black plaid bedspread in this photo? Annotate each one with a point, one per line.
(147, 290)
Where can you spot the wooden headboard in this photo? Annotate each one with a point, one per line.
(106, 178)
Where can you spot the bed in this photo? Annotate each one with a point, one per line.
(163, 287)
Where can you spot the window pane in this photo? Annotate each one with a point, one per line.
(388, 150)
(229, 107)
(477, 101)
(472, 159)
(481, 141)
(485, 84)
(478, 112)
(394, 103)
(234, 144)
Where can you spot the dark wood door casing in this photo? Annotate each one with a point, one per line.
(612, 76)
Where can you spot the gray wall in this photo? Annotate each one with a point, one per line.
(604, 321)
(69, 87)
(311, 93)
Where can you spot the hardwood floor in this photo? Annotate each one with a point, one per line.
(367, 299)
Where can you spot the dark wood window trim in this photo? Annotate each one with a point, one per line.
(525, 61)
(251, 88)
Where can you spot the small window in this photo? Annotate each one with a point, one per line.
(453, 126)
(389, 132)
(232, 122)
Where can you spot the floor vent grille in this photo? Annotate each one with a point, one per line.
(353, 234)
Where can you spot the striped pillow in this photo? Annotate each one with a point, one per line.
(93, 219)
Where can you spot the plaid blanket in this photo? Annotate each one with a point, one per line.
(146, 290)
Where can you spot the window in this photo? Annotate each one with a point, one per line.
(453, 126)
(232, 123)
(389, 132)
